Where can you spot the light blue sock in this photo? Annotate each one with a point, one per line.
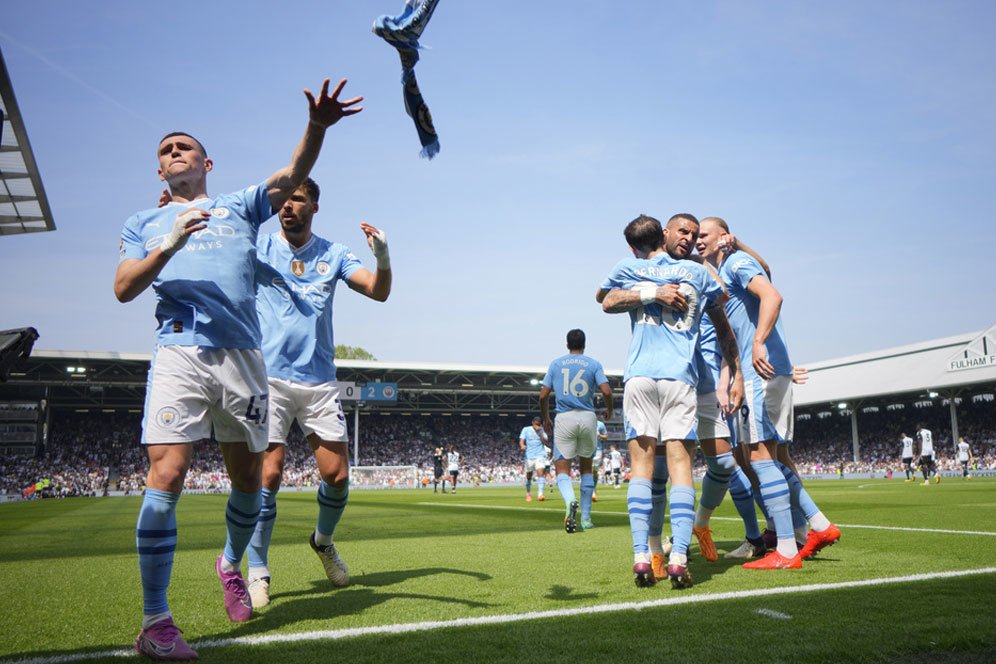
(682, 513)
(638, 503)
(587, 490)
(529, 484)
(775, 495)
(742, 494)
(759, 501)
(331, 503)
(658, 497)
(800, 496)
(241, 516)
(155, 538)
(566, 488)
(259, 545)
(541, 483)
(716, 479)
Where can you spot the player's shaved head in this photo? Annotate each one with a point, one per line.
(644, 234)
(174, 134)
(575, 340)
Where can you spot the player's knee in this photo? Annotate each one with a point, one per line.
(337, 477)
(272, 476)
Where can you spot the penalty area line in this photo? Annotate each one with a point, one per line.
(942, 531)
(405, 628)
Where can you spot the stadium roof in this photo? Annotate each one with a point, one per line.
(23, 204)
(89, 379)
(947, 366)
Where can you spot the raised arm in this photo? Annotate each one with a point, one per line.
(375, 285)
(770, 306)
(323, 112)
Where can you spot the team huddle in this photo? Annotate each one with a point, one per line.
(708, 364)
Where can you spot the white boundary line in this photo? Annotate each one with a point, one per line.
(718, 518)
(404, 628)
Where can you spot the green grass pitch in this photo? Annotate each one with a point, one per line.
(69, 583)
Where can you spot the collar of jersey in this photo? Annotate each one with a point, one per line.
(296, 250)
(188, 203)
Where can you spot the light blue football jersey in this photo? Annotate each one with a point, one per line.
(206, 292)
(742, 309)
(573, 378)
(663, 344)
(602, 431)
(709, 357)
(296, 287)
(535, 449)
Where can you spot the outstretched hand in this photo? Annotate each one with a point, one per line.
(326, 110)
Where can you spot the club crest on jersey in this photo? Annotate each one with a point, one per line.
(297, 268)
(220, 212)
(167, 417)
(323, 268)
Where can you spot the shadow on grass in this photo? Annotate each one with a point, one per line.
(566, 594)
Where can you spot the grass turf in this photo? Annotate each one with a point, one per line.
(71, 586)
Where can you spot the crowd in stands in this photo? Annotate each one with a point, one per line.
(90, 454)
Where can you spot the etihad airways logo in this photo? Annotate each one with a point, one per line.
(318, 290)
(207, 238)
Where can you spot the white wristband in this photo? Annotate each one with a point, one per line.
(378, 246)
(648, 295)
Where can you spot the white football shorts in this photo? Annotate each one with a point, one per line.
(711, 420)
(537, 464)
(575, 434)
(316, 408)
(767, 411)
(661, 409)
(192, 389)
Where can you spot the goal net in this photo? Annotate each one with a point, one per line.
(383, 477)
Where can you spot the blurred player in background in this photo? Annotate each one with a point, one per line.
(207, 370)
(615, 465)
(907, 456)
(573, 379)
(596, 460)
(964, 457)
(296, 282)
(927, 462)
(453, 466)
(437, 470)
(532, 442)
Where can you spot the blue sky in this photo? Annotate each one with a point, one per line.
(851, 143)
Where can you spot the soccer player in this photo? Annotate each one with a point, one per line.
(615, 465)
(907, 456)
(296, 281)
(753, 309)
(199, 255)
(964, 457)
(596, 460)
(573, 379)
(532, 442)
(927, 464)
(453, 465)
(659, 401)
(437, 470)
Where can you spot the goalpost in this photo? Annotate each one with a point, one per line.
(383, 477)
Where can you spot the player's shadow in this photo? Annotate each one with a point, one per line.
(380, 579)
(566, 594)
(330, 606)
